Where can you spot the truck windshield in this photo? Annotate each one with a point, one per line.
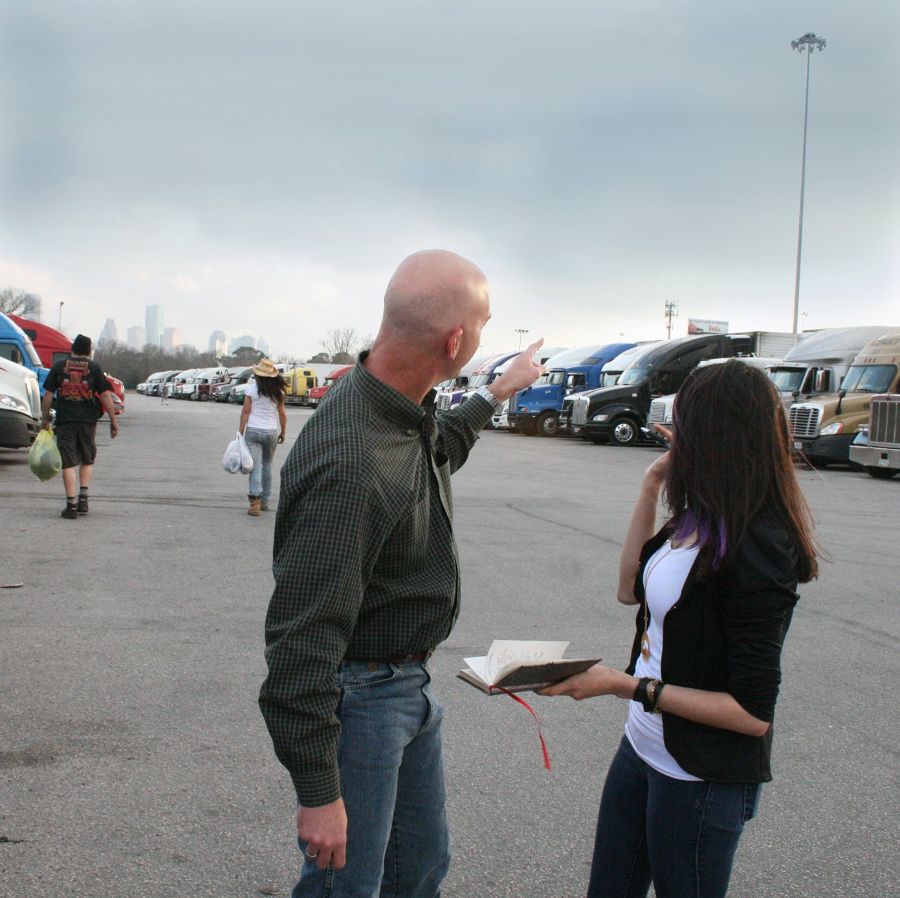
(787, 380)
(632, 376)
(869, 378)
(556, 377)
(610, 378)
(479, 380)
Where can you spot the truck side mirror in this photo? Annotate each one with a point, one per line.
(822, 381)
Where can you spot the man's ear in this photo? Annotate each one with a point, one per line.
(452, 344)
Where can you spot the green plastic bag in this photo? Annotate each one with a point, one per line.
(43, 457)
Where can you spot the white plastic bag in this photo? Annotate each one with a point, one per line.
(237, 458)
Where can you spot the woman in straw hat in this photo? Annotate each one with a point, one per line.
(263, 422)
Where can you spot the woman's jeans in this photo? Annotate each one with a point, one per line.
(681, 835)
(261, 444)
(392, 783)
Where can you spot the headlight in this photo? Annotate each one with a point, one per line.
(600, 418)
(831, 429)
(12, 402)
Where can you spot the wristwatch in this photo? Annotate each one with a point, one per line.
(488, 396)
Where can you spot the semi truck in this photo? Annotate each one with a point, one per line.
(876, 448)
(317, 394)
(298, 383)
(820, 360)
(20, 405)
(16, 346)
(616, 414)
(824, 428)
(537, 409)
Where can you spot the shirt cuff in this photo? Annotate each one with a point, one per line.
(317, 788)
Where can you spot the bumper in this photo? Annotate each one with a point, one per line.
(594, 429)
(875, 457)
(831, 450)
(17, 431)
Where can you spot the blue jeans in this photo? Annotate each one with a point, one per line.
(392, 783)
(681, 835)
(261, 444)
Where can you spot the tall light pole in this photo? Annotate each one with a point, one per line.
(807, 44)
(520, 331)
(59, 326)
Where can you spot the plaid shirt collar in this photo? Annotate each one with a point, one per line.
(390, 403)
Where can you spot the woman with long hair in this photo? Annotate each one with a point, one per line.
(715, 590)
(263, 423)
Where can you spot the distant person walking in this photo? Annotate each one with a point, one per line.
(164, 392)
(75, 386)
(263, 423)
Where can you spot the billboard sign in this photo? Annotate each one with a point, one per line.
(705, 326)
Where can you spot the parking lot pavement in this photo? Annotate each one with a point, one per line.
(135, 762)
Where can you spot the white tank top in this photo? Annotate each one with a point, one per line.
(664, 577)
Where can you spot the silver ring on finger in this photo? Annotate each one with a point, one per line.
(312, 857)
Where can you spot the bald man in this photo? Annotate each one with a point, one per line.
(367, 585)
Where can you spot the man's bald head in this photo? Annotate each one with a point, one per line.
(432, 294)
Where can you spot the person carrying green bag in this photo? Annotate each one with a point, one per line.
(77, 385)
(43, 457)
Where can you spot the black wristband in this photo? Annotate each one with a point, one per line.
(657, 692)
(640, 693)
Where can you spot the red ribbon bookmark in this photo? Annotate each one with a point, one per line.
(530, 710)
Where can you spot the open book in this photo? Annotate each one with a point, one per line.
(520, 665)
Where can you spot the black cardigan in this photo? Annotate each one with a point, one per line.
(725, 634)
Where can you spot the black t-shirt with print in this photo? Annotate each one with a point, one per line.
(76, 382)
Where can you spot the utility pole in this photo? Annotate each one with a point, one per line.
(806, 44)
(520, 331)
(671, 312)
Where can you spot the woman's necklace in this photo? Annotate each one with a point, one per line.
(645, 637)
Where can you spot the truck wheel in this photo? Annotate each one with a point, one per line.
(624, 431)
(547, 425)
(880, 473)
(204, 397)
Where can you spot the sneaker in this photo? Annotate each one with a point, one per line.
(70, 512)
(82, 505)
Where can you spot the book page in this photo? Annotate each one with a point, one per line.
(506, 654)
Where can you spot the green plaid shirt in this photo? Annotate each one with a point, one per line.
(365, 562)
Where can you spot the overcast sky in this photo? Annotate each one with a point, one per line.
(263, 167)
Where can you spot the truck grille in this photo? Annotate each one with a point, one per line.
(657, 412)
(443, 401)
(805, 421)
(580, 411)
(566, 412)
(884, 426)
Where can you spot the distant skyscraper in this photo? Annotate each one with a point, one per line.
(238, 342)
(153, 322)
(171, 339)
(110, 334)
(218, 343)
(137, 337)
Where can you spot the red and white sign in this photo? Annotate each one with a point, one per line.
(705, 326)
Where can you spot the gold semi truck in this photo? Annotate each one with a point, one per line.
(824, 428)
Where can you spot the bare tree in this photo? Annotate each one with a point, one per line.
(339, 343)
(19, 302)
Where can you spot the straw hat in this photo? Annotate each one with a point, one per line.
(265, 368)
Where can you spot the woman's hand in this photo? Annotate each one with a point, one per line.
(281, 438)
(656, 474)
(596, 680)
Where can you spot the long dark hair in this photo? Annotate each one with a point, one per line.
(731, 465)
(270, 387)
